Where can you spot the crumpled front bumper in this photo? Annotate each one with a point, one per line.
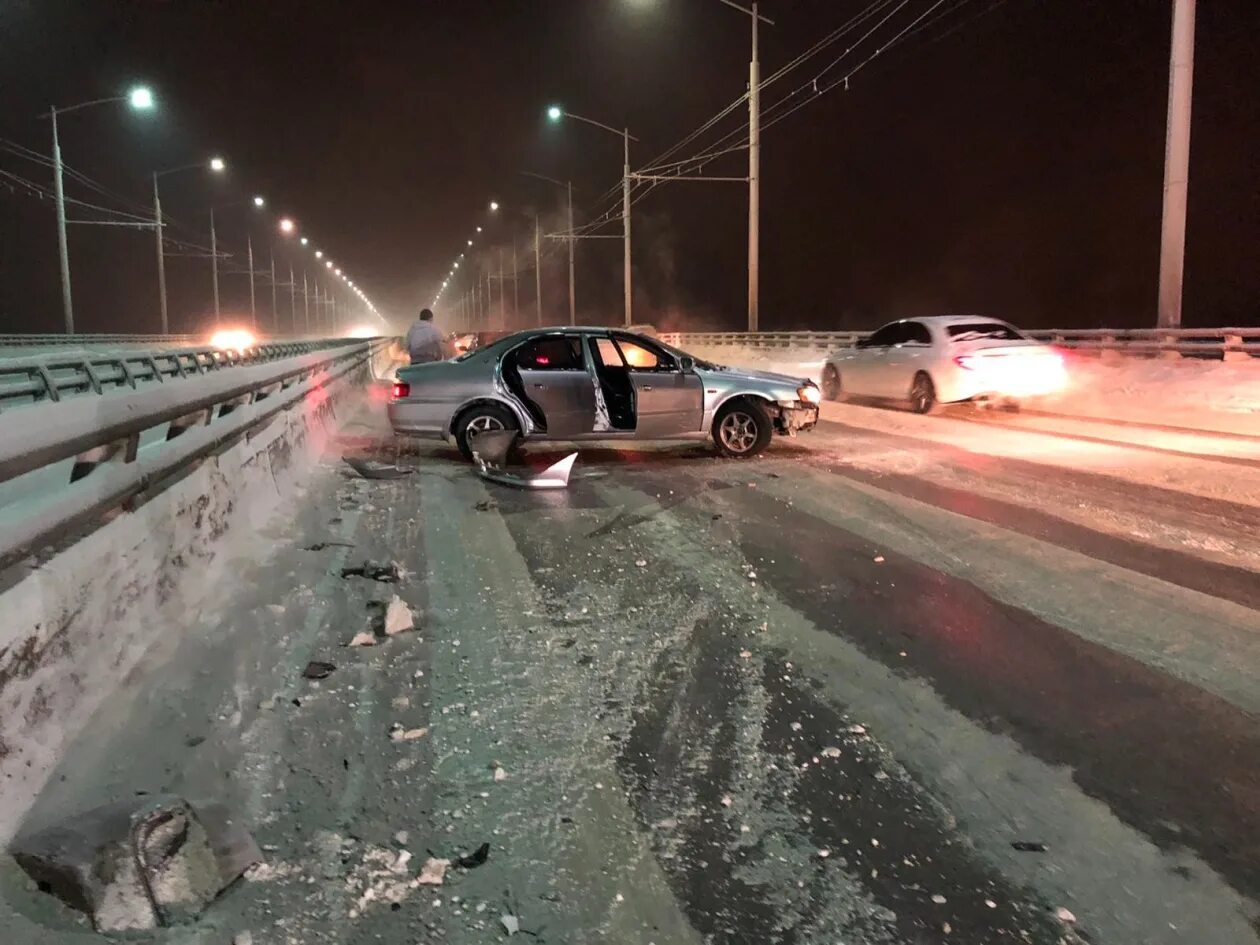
(795, 417)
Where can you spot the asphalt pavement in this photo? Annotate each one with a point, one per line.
(869, 688)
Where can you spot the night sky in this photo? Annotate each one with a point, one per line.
(1006, 159)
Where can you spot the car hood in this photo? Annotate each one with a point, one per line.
(764, 377)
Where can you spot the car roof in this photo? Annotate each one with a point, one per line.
(950, 319)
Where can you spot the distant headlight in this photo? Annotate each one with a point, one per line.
(809, 394)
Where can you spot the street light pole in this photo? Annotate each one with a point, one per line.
(292, 299)
(502, 294)
(63, 246)
(572, 283)
(538, 266)
(253, 309)
(1172, 248)
(625, 219)
(516, 285)
(275, 310)
(161, 253)
(306, 301)
(754, 179)
(214, 266)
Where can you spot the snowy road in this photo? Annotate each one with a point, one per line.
(903, 680)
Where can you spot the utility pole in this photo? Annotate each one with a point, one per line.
(63, 246)
(161, 253)
(538, 266)
(292, 299)
(754, 178)
(214, 266)
(502, 294)
(625, 219)
(306, 301)
(319, 315)
(275, 311)
(1172, 246)
(253, 308)
(572, 240)
(516, 285)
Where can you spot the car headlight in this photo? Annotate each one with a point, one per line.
(810, 394)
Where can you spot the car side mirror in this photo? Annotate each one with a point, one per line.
(686, 364)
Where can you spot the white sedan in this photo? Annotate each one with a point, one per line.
(945, 359)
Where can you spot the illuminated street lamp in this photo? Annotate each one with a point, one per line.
(554, 114)
(217, 166)
(287, 226)
(141, 99)
(260, 202)
(328, 263)
(319, 254)
(305, 241)
(494, 206)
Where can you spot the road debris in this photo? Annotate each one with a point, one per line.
(243, 938)
(317, 669)
(370, 470)
(1064, 915)
(400, 733)
(398, 617)
(830, 752)
(374, 571)
(1028, 846)
(433, 873)
(363, 638)
(476, 858)
(486, 505)
(321, 545)
(511, 924)
(401, 838)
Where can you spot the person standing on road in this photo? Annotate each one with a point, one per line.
(424, 341)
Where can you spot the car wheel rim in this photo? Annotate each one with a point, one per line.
(738, 432)
(483, 424)
(922, 396)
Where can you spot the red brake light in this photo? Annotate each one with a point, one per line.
(542, 359)
(401, 389)
(965, 362)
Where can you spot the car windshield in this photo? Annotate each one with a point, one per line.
(981, 331)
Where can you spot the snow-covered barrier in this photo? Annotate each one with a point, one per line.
(115, 513)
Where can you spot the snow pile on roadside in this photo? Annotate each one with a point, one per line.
(1183, 391)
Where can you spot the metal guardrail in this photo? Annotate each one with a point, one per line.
(1226, 343)
(126, 440)
(53, 376)
(61, 340)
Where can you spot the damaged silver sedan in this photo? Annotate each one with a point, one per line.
(576, 384)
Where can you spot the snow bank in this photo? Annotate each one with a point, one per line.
(1211, 395)
(77, 623)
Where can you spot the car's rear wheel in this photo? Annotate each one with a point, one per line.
(831, 386)
(742, 429)
(923, 394)
(481, 418)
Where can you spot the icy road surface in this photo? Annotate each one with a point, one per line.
(902, 680)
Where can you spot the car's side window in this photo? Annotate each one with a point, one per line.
(916, 333)
(884, 337)
(550, 353)
(606, 353)
(640, 357)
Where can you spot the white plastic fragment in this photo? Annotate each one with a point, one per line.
(511, 924)
(1064, 915)
(830, 752)
(939, 899)
(363, 638)
(400, 733)
(243, 938)
(433, 873)
(398, 617)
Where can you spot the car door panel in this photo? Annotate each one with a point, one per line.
(565, 398)
(906, 358)
(667, 403)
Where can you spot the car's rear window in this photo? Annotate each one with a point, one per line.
(976, 331)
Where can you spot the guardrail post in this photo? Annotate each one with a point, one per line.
(1108, 350)
(1167, 347)
(1232, 350)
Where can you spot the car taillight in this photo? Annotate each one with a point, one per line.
(401, 389)
(966, 362)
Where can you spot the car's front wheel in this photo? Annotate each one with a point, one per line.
(481, 418)
(742, 429)
(831, 386)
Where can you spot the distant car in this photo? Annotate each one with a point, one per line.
(598, 384)
(945, 359)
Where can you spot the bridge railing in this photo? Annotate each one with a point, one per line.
(66, 459)
(1220, 343)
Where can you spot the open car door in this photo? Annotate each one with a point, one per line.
(668, 401)
(554, 383)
